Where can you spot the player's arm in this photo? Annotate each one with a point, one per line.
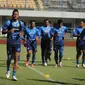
(54, 32)
(75, 33)
(5, 28)
(82, 33)
(38, 32)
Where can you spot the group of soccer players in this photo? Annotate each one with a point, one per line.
(16, 31)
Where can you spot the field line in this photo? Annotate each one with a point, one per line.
(42, 74)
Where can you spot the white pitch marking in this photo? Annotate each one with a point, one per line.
(43, 74)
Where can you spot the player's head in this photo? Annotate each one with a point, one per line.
(15, 14)
(46, 22)
(82, 23)
(32, 23)
(51, 24)
(60, 23)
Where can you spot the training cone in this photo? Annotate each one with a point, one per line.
(47, 75)
(68, 58)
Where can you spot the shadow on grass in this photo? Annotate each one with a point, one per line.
(4, 78)
(79, 79)
(2, 65)
(55, 82)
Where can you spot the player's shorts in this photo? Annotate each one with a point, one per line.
(82, 45)
(78, 45)
(13, 48)
(31, 45)
(58, 45)
(46, 44)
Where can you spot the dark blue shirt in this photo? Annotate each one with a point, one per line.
(13, 38)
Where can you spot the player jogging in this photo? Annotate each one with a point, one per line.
(46, 42)
(13, 28)
(82, 43)
(76, 33)
(31, 32)
(58, 34)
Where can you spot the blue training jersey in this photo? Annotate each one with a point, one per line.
(77, 31)
(13, 38)
(59, 35)
(45, 32)
(32, 33)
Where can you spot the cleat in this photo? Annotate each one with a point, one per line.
(32, 65)
(61, 64)
(56, 65)
(45, 64)
(83, 65)
(26, 64)
(14, 78)
(8, 74)
(77, 65)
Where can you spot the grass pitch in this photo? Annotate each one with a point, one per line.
(68, 75)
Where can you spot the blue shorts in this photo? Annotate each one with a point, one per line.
(78, 44)
(13, 48)
(31, 45)
(82, 45)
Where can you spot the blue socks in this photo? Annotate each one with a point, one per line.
(77, 61)
(14, 73)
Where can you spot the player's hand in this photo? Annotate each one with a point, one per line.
(12, 30)
(37, 38)
(20, 34)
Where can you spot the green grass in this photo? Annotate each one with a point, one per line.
(68, 75)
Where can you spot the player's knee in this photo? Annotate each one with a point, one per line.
(30, 52)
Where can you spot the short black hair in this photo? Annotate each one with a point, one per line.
(32, 21)
(15, 10)
(83, 20)
(46, 20)
(60, 21)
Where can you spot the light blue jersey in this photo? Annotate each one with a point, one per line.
(32, 33)
(45, 32)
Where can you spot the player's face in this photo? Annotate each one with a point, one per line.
(61, 25)
(47, 23)
(15, 16)
(82, 24)
(33, 24)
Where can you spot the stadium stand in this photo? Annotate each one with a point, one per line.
(18, 4)
(50, 5)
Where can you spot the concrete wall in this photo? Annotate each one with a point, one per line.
(27, 13)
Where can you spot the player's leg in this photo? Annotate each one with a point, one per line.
(43, 52)
(19, 62)
(9, 51)
(29, 51)
(56, 55)
(61, 50)
(34, 50)
(17, 50)
(49, 50)
(83, 57)
(78, 57)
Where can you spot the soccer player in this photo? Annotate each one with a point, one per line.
(82, 43)
(76, 33)
(58, 34)
(45, 41)
(13, 28)
(31, 32)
